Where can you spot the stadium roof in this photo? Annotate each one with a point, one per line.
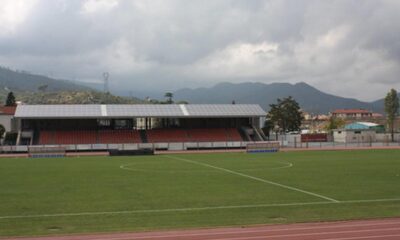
(138, 110)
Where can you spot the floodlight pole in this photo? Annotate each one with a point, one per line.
(106, 75)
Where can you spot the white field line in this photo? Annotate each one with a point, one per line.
(163, 210)
(127, 167)
(255, 178)
(195, 209)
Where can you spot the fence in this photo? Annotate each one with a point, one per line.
(382, 140)
(176, 146)
(288, 142)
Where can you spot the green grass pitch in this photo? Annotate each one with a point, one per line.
(104, 194)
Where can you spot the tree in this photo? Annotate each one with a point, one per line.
(10, 101)
(169, 96)
(182, 102)
(274, 117)
(391, 109)
(268, 127)
(2, 131)
(334, 123)
(285, 115)
(43, 88)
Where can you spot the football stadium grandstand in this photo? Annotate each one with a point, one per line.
(138, 126)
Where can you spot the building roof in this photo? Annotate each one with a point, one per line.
(377, 115)
(361, 125)
(7, 110)
(368, 124)
(350, 111)
(138, 110)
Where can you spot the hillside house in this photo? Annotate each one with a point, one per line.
(352, 114)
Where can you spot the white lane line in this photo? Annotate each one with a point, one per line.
(210, 234)
(366, 237)
(195, 209)
(255, 178)
(308, 234)
(239, 231)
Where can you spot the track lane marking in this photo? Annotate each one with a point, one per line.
(236, 230)
(254, 178)
(308, 234)
(209, 235)
(366, 237)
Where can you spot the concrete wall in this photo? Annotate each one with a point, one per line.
(354, 136)
(339, 136)
(383, 137)
(6, 121)
(179, 146)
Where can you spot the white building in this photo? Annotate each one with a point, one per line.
(354, 136)
(358, 132)
(6, 118)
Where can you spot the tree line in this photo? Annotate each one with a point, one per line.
(285, 116)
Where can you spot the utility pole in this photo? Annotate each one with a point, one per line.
(106, 75)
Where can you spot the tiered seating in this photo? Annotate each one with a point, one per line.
(67, 137)
(234, 134)
(208, 135)
(167, 135)
(46, 137)
(119, 136)
(75, 137)
(133, 136)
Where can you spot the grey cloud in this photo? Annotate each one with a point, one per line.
(335, 45)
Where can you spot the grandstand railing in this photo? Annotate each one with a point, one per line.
(180, 146)
(132, 146)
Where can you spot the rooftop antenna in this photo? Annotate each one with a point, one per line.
(105, 79)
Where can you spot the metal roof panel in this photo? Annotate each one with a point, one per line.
(138, 110)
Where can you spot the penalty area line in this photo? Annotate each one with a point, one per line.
(196, 209)
(255, 178)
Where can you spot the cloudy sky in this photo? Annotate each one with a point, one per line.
(348, 47)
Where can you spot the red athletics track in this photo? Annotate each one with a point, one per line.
(384, 229)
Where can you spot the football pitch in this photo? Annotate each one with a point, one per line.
(105, 194)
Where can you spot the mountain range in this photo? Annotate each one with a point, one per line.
(310, 99)
(25, 81)
(27, 88)
(37, 89)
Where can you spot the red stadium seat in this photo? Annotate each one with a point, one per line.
(75, 137)
(209, 135)
(133, 136)
(167, 135)
(119, 136)
(234, 134)
(46, 137)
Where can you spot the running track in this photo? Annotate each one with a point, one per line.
(385, 229)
